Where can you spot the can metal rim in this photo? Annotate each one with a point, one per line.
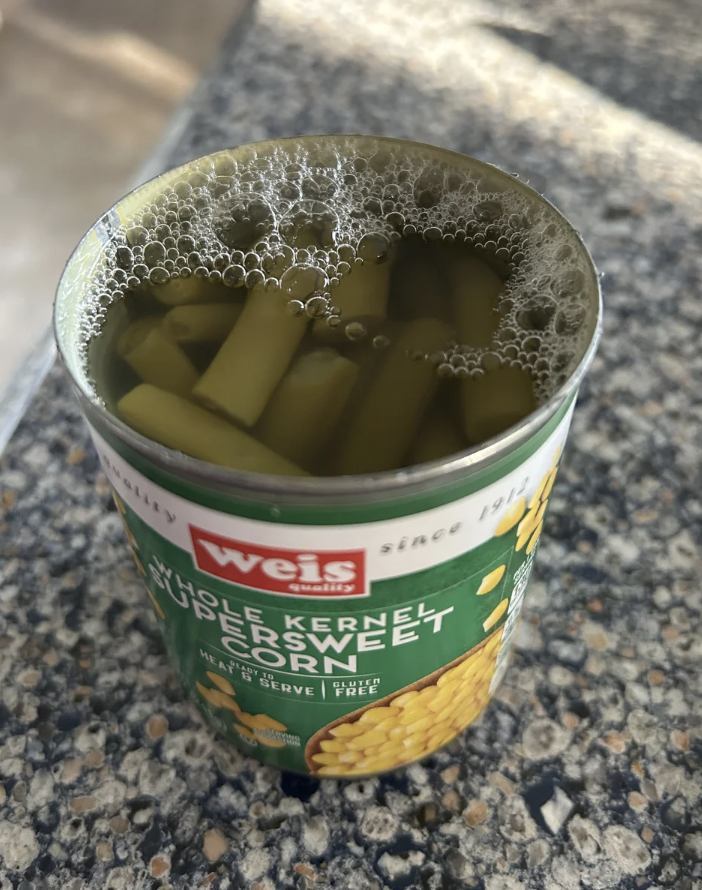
(341, 488)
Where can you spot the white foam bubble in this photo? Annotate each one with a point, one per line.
(298, 214)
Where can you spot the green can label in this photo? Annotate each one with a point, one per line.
(339, 649)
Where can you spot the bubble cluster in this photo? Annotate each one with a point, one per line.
(296, 215)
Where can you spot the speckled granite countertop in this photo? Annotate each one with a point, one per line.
(585, 772)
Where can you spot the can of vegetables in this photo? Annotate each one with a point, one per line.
(330, 380)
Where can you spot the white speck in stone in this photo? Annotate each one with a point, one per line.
(11, 767)
(155, 778)
(234, 802)
(418, 774)
(41, 789)
(18, 845)
(683, 551)
(14, 480)
(315, 835)
(120, 879)
(90, 736)
(67, 638)
(458, 866)
(143, 816)
(200, 780)
(228, 759)
(72, 830)
(641, 725)
(8, 592)
(16, 744)
(672, 780)
(692, 845)
(379, 824)
(287, 850)
(543, 739)
(255, 838)
(662, 597)
(565, 873)
(131, 763)
(111, 795)
(191, 746)
(360, 792)
(627, 849)
(636, 694)
(57, 851)
(586, 838)
(680, 617)
(503, 882)
(555, 812)
(291, 806)
(537, 852)
(528, 638)
(400, 866)
(37, 456)
(623, 548)
(255, 864)
(569, 651)
(515, 822)
(560, 676)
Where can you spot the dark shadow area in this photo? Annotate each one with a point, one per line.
(646, 56)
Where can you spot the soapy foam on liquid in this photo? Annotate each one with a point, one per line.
(296, 216)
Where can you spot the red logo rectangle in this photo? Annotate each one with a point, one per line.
(308, 573)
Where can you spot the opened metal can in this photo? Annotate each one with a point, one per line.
(336, 626)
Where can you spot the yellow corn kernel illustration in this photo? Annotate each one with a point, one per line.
(529, 523)
(523, 538)
(226, 702)
(549, 487)
(155, 603)
(128, 532)
(491, 580)
(245, 732)
(411, 723)
(511, 517)
(210, 695)
(538, 494)
(119, 503)
(222, 683)
(263, 721)
(535, 538)
(218, 699)
(496, 614)
(140, 566)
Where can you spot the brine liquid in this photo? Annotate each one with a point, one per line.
(334, 305)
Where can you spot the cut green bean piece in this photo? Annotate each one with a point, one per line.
(305, 409)
(419, 286)
(179, 424)
(204, 323)
(135, 333)
(437, 437)
(180, 291)
(475, 291)
(158, 360)
(362, 295)
(495, 401)
(387, 419)
(253, 358)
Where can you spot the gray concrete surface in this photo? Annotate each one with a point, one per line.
(584, 773)
(86, 90)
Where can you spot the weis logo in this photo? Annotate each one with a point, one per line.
(323, 573)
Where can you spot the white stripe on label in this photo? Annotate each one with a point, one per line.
(393, 547)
